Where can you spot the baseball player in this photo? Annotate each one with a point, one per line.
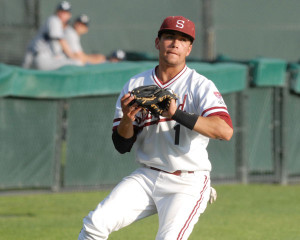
(72, 36)
(174, 178)
(48, 50)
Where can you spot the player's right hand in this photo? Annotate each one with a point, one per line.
(129, 111)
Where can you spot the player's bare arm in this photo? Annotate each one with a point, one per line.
(90, 58)
(66, 48)
(212, 127)
(125, 128)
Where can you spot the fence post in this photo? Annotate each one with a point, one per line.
(37, 14)
(58, 146)
(280, 97)
(241, 151)
(242, 126)
(208, 30)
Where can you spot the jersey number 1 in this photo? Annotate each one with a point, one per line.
(177, 133)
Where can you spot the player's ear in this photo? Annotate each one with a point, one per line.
(157, 43)
(189, 50)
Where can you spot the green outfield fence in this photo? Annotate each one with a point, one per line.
(55, 126)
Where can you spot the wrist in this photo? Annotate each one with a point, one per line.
(186, 119)
(125, 128)
(126, 120)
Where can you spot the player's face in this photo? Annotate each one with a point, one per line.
(65, 16)
(173, 48)
(82, 28)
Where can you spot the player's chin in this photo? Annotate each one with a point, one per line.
(172, 61)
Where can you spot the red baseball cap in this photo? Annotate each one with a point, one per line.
(179, 24)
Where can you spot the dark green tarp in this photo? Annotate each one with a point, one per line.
(101, 79)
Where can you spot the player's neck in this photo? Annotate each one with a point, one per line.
(166, 73)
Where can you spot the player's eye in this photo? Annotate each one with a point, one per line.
(169, 37)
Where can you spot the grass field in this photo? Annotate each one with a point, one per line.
(254, 212)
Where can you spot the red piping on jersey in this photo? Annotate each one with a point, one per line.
(117, 120)
(147, 123)
(155, 78)
(223, 115)
(212, 109)
(193, 213)
(156, 122)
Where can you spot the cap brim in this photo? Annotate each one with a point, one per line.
(171, 29)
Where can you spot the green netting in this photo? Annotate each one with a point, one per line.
(222, 153)
(27, 143)
(259, 129)
(292, 133)
(91, 157)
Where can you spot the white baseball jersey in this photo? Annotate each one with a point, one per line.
(73, 39)
(46, 40)
(164, 144)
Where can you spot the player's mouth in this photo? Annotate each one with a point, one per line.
(173, 53)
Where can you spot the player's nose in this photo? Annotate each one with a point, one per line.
(175, 42)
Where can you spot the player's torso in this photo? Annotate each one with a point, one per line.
(43, 43)
(73, 39)
(165, 144)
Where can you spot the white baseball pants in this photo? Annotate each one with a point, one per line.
(49, 62)
(178, 200)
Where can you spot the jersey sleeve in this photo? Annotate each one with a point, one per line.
(55, 28)
(212, 103)
(210, 99)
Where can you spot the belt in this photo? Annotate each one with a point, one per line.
(177, 173)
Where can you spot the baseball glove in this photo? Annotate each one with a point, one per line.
(152, 98)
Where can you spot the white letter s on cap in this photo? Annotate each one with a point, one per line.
(180, 23)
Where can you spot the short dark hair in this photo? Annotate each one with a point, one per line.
(173, 32)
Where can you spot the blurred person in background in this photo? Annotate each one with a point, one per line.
(72, 36)
(48, 50)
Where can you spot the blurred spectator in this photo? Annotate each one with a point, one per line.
(117, 56)
(48, 50)
(72, 36)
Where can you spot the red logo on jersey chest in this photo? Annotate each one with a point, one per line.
(181, 106)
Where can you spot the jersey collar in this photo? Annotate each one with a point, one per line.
(170, 82)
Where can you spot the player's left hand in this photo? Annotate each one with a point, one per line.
(129, 111)
(212, 195)
(172, 109)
